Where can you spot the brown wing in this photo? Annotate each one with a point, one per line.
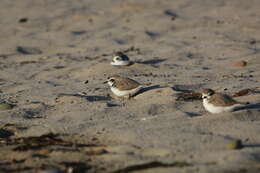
(222, 100)
(123, 83)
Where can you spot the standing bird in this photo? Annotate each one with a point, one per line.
(218, 103)
(123, 86)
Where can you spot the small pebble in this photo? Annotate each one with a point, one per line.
(152, 35)
(143, 119)
(5, 106)
(80, 32)
(171, 13)
(28, 50)
(234, 145)
(241, 63)
(23, 20)
(252, 41)
(5, 133)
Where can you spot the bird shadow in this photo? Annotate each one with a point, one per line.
(153, 61)
(249, 106)
(193, 114)
(152, 35)
(251, 145)
(90, 98)
(187, 88)
(148, 89)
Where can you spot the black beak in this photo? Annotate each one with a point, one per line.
(105, 82)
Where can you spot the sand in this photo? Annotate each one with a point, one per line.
(50, 48)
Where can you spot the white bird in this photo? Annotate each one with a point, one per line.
(218, 103)
(123, 86)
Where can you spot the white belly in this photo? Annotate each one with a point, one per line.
(218, 109)
(120, 63)
(120, 93)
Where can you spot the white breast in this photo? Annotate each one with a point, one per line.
(125, 92)
(218, 109)
(118, 63)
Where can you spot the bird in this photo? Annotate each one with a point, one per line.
(217, 103)
(120, 59)
(123, 86)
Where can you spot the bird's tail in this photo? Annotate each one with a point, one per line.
(145, 84)
(244, 103)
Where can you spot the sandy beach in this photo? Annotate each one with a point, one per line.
(52, 51)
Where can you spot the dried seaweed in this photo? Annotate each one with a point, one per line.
(39, 142)
(41, 147)
(42, 156)
(5, 166)
(9, 130)
(188, 96)
(6, 106)
(153, 164)
(242, 93)
(36, 143)
(197, 96)
(5, 133)
(20, 169)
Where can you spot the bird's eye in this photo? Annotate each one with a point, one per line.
(204, 96)
(112, 80)
(118, 58)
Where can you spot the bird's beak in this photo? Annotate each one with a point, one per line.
(105, 82)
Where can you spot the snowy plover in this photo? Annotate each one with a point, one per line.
(120, 59)
(217, 102)
(123, 86)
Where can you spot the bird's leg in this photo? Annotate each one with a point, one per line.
(128, 96)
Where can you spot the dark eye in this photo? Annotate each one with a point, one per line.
(112, 80)
(118, 59)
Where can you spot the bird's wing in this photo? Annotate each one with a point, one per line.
(222, 100)
(126, 84)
